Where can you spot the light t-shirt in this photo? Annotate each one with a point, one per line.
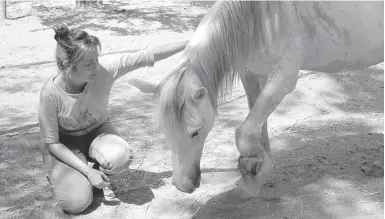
(79, 114)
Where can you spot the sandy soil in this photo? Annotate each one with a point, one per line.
(320, 134)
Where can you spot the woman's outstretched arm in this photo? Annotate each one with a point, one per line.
(165, 51)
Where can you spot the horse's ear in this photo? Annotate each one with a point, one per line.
(200, 93)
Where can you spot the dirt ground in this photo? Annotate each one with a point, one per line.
(320, 134)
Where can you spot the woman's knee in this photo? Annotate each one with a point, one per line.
(114, 150)
(120, 163)
(73, 192)
(76, 204)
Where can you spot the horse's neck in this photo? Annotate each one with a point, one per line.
(200, 39)
(209, 57)
(198, 42)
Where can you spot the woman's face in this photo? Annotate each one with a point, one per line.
(85, 69)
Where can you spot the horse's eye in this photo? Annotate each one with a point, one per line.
(195, 134)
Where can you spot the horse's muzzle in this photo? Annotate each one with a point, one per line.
(188, 184)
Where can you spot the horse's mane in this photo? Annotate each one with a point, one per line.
(233, 30)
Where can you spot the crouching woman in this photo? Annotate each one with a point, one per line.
(73, 118)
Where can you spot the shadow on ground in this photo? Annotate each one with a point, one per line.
(26, 192)
(318, 166)
(321, 179)
(126, 21)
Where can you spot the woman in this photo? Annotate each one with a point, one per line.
(74, 123)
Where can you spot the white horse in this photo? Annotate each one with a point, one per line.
(265, 44)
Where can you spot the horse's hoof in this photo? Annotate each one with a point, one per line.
(255, 171)
(373, 170)
(248, 186)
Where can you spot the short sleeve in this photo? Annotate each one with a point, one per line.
(119, 65)
(48, 119)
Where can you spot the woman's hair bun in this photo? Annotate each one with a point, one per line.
(61, 32)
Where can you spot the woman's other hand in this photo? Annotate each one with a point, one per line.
(97, 178)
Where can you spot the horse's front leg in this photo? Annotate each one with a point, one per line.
(255, 163)
(252, 84)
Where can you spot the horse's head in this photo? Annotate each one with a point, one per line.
(185, 114)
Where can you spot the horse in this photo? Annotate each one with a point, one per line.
(264, 44)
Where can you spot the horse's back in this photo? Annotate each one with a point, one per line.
(329, 36)
(349, 35)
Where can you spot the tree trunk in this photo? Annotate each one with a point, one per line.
(3, 10)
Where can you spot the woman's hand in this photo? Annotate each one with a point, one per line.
(165, 51)
(97, 178)
(105, 167)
